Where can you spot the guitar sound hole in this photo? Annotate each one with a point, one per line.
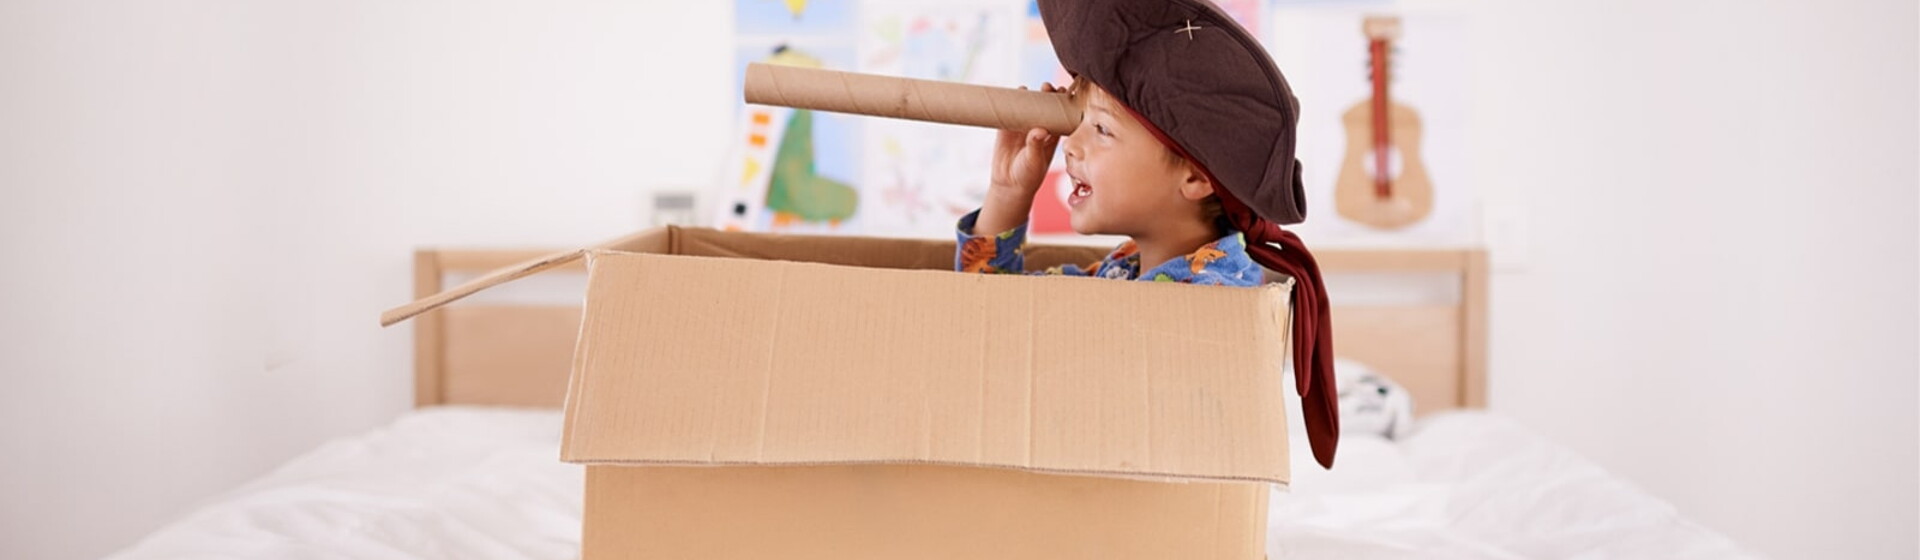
(1394, 165)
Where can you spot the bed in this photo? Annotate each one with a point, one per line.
(473, 470)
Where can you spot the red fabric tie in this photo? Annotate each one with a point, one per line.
(1312, 323)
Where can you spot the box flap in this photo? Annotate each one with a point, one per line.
(658, 240)
(874, 252)
(707, 361)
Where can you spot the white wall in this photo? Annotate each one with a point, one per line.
(1719, 300)
(205, 204)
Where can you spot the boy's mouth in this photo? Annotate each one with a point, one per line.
(1081, 190)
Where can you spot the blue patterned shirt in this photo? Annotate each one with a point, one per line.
(1224, 262)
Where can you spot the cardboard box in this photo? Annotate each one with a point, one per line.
(765, 396)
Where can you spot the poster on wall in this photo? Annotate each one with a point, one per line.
(1398, 180)
(921, 177)
(793, 170)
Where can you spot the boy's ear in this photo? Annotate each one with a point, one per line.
(1194, 184)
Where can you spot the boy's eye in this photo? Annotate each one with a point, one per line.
(1102, 129)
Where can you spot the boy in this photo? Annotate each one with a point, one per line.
(1185, 147)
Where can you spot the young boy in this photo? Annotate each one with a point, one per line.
(1125, 183)
(1186, 148)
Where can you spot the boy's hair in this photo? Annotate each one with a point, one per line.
(1209, 206)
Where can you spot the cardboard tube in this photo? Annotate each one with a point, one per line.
(911, 99)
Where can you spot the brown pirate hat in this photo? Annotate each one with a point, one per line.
(1207, 89)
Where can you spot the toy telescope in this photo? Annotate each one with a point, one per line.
(912, 99)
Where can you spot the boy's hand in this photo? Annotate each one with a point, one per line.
(1021, 158)
(1020, 162)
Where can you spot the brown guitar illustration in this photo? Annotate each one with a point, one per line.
(1371, 190)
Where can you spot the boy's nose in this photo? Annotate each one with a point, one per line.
(1068, 145)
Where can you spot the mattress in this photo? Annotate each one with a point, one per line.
(477, 482)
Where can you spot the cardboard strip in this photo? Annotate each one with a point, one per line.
(659, 240)
(498, 277)
(908, 98)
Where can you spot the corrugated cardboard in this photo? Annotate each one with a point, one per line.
(691, 360)
(914, 512)
(862, 408)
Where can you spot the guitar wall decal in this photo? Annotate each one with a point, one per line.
(1383, 182)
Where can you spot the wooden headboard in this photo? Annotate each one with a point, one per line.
(514, 354)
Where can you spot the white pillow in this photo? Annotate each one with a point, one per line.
(1373, 411)
(1371, 402)
(1371, 405)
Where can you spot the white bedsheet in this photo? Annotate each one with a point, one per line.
(1474, 485)
(458, 482)
(448, 482)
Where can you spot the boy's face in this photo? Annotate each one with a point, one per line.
(1124, 181)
